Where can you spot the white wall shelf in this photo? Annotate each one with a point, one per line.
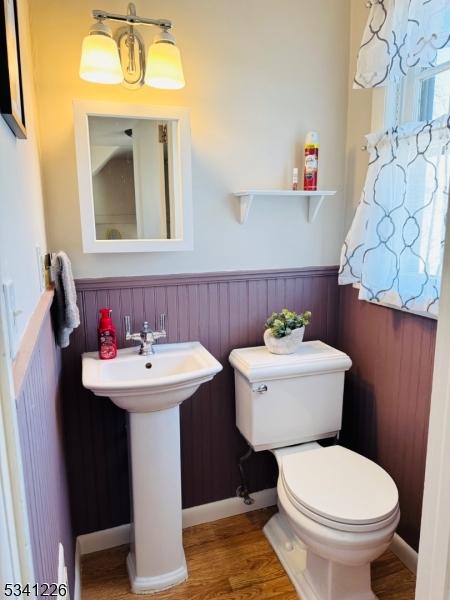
(315, 200)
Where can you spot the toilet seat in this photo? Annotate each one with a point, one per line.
(340, 489)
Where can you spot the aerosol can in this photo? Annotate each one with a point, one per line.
(311, 167)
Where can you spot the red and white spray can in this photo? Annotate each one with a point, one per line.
(107, 341)
(311, 166)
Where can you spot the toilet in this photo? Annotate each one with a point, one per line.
(338, 511)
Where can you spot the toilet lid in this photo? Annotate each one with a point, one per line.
(340, 485)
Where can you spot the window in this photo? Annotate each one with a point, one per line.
(394, 249)
(422, 96)
(402, 232)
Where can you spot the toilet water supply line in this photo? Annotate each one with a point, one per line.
(242, 491)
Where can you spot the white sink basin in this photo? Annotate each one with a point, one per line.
(148, 383)
(151, 388)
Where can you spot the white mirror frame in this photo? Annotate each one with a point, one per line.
(183, 178)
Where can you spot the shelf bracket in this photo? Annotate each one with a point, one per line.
(314, 202)
(245, 203)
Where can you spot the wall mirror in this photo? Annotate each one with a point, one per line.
(134, 176)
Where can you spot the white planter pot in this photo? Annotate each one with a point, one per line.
(285, 345)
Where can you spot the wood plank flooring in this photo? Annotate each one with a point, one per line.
(229, 559)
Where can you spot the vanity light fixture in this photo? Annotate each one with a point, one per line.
(121, 58)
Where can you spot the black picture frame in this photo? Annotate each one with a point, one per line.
(11, 91)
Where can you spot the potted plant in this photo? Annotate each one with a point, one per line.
(284, 331)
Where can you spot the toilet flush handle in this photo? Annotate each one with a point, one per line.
(261, 389)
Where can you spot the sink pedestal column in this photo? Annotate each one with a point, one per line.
(156, 560)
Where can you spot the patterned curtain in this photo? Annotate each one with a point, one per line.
(401, 34)
(394, 249)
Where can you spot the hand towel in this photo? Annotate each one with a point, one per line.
(67, 313)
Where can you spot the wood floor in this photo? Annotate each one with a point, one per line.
(229, 560)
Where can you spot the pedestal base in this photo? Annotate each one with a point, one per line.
(156, 560)
(152, 585)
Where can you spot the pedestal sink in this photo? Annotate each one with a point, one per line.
(151, 388)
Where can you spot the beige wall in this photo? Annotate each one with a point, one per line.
(260, 73)
(359, 116)
(21, 206)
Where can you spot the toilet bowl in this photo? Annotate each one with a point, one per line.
(342, 510)
(338, 511)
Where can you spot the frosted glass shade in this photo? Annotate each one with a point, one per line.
(100, 61)
(164, 68)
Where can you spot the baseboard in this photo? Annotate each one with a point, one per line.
(405, 553)
(104, 539)
(63, 581)
(205, 513)
(77, 582)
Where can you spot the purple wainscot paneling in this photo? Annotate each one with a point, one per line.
(387, 395)
(221, 310)
(40, 430)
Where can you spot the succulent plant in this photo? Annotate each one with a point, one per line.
(283, 323)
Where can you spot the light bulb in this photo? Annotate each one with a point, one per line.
(100, 61)
(164, 69)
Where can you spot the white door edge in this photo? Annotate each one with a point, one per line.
(433, 571)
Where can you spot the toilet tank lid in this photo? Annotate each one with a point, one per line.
(257, 363)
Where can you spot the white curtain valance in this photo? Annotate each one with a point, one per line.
(394, 249)
(399, 35)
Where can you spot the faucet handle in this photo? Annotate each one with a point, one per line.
(146, 327)
(162, 322)
(127, 320)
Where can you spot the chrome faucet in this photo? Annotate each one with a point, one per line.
(146, 337)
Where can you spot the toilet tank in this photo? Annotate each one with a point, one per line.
(283, 400)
